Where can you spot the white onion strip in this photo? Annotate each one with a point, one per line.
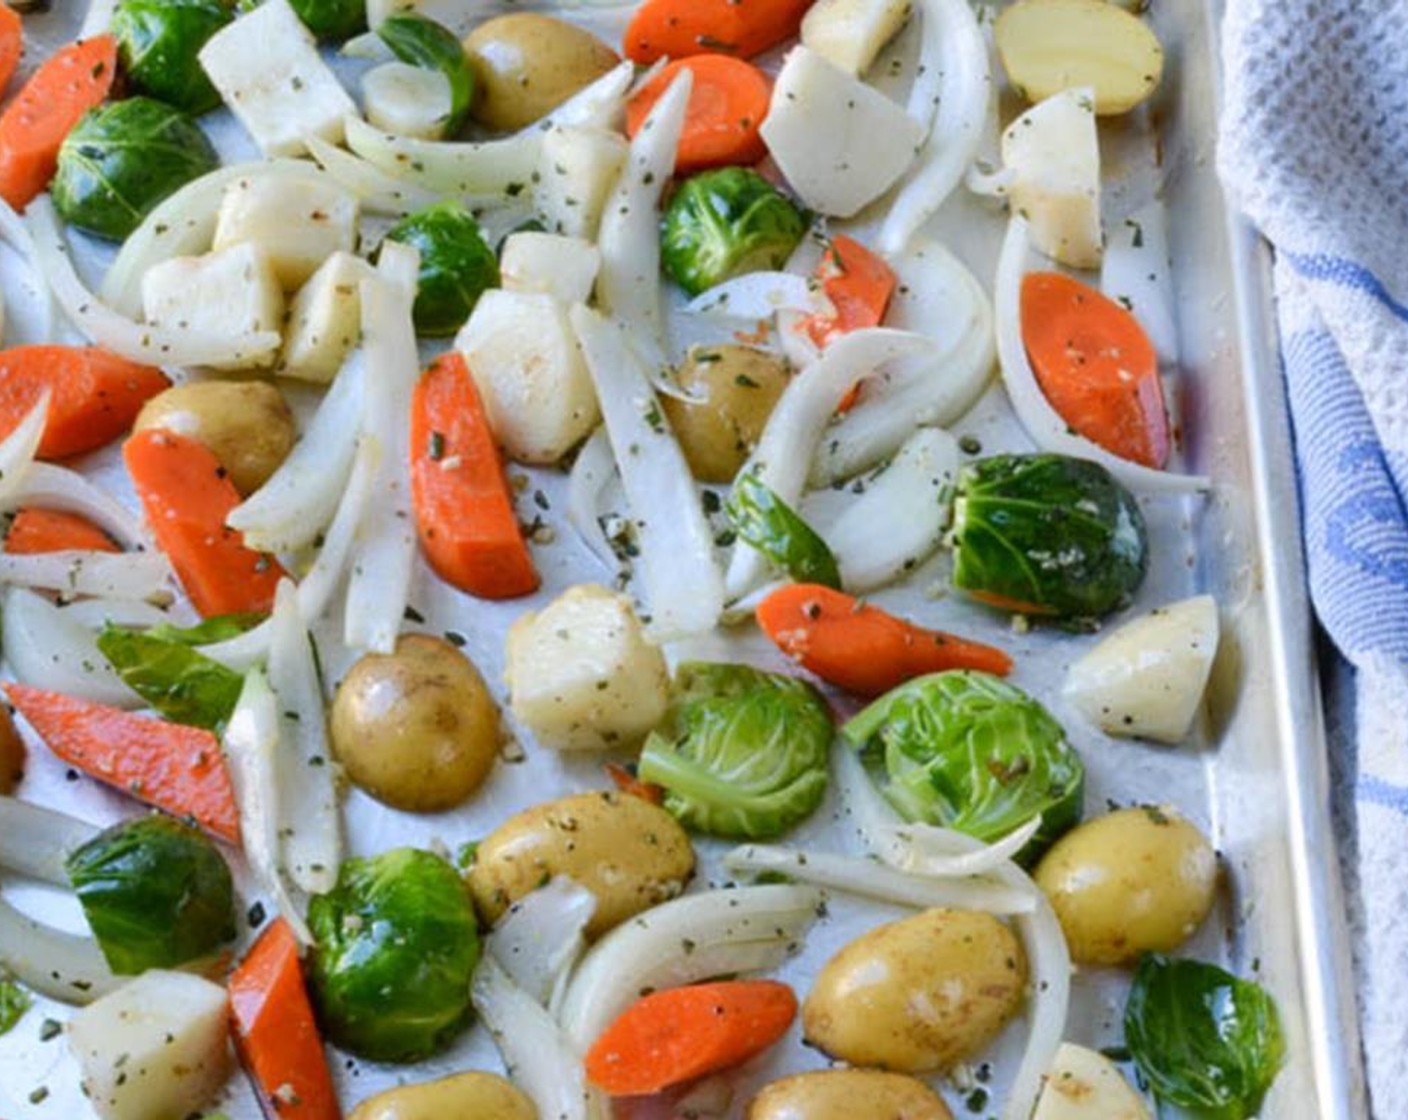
(67, 967)
(590, 475)
(13, 230)
(761, 295)
(72, 571)
(17, 450)
(378, 192)
(35, 841)
(682, 585)
(49, 647)
(542, 936)
(1043, 423)
(47, 486)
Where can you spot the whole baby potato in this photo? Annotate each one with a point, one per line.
(847, 1094)
(918, 995)
(11, 753)
(484, 1096)
(246, 425)
(629, 853)
(417, 728)
(526, 65)
(1131, 882)
(736, 389)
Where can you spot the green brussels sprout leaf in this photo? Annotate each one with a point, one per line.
(159, 41)
(457, 265)
(775, 529)
(332, 20)
(14, 1002)
(423, 42)
(183, 685)
(217, 628)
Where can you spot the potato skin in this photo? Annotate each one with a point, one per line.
(484, 1096)
(1133, 881)
(246, 425)
(525, 65)
(846, 1094)
(739, 386)
(918, 995)
(417, 728)
(629, 853)
(11, 753)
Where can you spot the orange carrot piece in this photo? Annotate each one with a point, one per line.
(626, 781)
(1096, 366)
(275, 1033)
(742, 28)
(170, 766)
(463, 505)
(187, 496)
(51, 530)
(726, 109)
(94, 395)
(11, 43)
(861, 648)
(74, 79)
(859, 285)
(679, 1034)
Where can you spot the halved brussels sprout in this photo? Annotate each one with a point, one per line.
(333, 20)
(457, 265)
(723, 223)
(122, 159)
(159, 41)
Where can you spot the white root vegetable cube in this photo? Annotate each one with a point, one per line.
(325, 319)
(524, 358)
(1084, 1085)
(155, 1049)
(233, 291)
(851, 33)
(298, 222)
(841, 143)
(577, 170)
(267, 69)
(564, 267)
(581, 674)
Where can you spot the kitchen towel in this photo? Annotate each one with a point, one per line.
(1314, 149)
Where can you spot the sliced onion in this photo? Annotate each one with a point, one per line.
(761, 295)
(591, 474)
(682, 585)
(378, 192)
(36, 841)
(98, 18)
(1049, 961)
(540, 938)
(67, 967)
(799, 420)
(1043, 423)
(628, 286)
(17, 450)
(47, 486)
(13, 230)
(113, 575)
(956, 54)
(310, 824)
(682, 942)
(1134, 270)
(49, 647)
(125, 337)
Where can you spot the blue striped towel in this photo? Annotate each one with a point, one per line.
(1314, 148)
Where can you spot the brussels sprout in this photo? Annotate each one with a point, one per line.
(155, 891)
(1204, 1040)
(457, 265)
(396, 946)
(724, 223)
(122, 159)
(742, 753)
(1047, 534)
(775, 529)
(970, 752)
(159, 41)
(332, 19)
(423, 42)
(178, 681)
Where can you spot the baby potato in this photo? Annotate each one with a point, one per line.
(736, 387)
(1133, 881)
(918, 995)
(484, 1096)
(629, 853)
(417, 728)
(11, 753)
(246, 425)
(526, 65)
(844, 1094)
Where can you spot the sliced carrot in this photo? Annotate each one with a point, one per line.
(679, 28)
(51, 530)
(94, 395)
(1096, 366)
(170, 766)
(726, 109)
(463, 505)
(627, 782)
(679, 1034)
(186, 496)
(275, 1033)
(11, 43)
(861, 648)
(73, 80)
(859, 285)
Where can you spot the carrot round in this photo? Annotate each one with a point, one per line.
(11, 43)
(1096, 366)
(742, 28)
(726, 109)
(73, 80)
(275, 1032)
(859, 285)
(679, 1034)
(50, 530)
(861, 648)
(463, 505)
(186, 496)
(170, 766)
(94, 395)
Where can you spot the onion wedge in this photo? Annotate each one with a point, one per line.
(591, 474)
(54, 648)
(53, 487)
(67, 967)
(17, 450)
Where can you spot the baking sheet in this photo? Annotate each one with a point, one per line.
(1254, 778)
